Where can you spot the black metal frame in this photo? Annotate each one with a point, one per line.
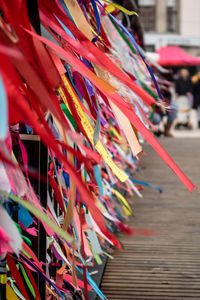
(38, 161)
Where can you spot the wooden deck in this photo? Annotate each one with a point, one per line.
(166, 265)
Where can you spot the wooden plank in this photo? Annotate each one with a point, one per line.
(166, 264)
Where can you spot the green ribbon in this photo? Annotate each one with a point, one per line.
(69, 115)
(26, 278)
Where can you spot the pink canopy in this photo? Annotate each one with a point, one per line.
(175, 56)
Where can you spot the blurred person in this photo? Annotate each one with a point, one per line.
(162, 113)
(171, 112)
(196, 95)
(183, 89)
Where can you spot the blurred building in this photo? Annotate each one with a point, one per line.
(171, 22)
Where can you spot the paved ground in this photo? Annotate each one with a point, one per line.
(186, 133)
(165, 266)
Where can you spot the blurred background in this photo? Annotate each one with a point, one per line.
(171, 22)
(169, 33)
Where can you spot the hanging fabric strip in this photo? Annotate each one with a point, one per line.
(90, 133)
(27, 280)
(10, 294)
(147, 184)
(113, 5)
(130, 114)
(85, 194)
(3, 112)
(125, 205)
(152, 141)
(129, 133)
(40, 215)
(16, 275)
(97, 17)
(96, 56)
(93, 284)
(79, 18)
(131, 37)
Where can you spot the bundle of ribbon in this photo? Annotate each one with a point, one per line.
(83, 86)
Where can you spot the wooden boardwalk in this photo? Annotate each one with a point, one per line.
(166, 265)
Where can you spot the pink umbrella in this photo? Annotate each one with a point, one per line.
(175, 56)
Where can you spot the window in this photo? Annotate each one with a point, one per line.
(147, 17)
(172, 19)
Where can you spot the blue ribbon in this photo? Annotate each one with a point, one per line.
(24, 216)
(66, 178)
(146, 184)
(97, 18)
(66, 9)
(99, 179)
(93, 284)
(65, 28)
(3, 111)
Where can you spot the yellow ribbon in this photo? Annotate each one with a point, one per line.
(3, 279)
(115, 132)
(126, 207)
(121, 175)
(10, 294)
(112, 6)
